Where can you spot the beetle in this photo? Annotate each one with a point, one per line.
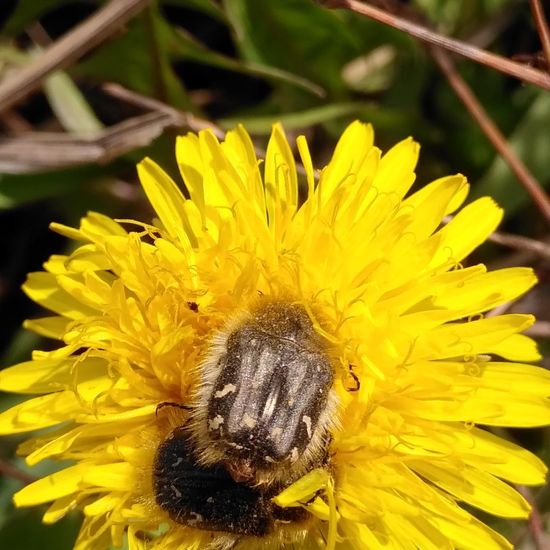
(266, 405)
(260, 419)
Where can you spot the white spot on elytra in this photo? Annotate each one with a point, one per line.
(175, 491)
(216, 422)
(228, 388)
(307, 421)
(276, 433)
(294, 454)
(248, 421)
(196, 518)
(178, 462)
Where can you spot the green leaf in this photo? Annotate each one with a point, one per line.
(138, 60)
(296, 36)
(261, 125)
(23, 530)
(20, 347)
(187, 47)
(372, 72)
(70, 106)
(17, 189)
(27, 11)
(209, 7)
(530, 142)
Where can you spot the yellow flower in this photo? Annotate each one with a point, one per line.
(147, 312)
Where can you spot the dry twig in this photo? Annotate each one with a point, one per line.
(502, 64)
(517, 242)
(490, 129)
(541, 329)
(148, 103)
(34, 152)
(67, 49)
(536, 525)
(542, 28)
(9, 470)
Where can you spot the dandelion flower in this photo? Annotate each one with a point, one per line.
(365, 269)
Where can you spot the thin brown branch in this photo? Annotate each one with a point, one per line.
(499, 310)
(33, 152)
(542, 28)
(517, 242)
(489, 128)
(184, 119)
(536, 525)
(37, 33)
(14, 122)
(9, 470)
(42, 151)
(157, 60)
(148, 103)
(541, 329)
(73, 45)
(502, 64)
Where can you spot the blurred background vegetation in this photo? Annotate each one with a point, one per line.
(255, 62)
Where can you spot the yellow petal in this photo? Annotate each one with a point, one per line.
(307, 163)
(50, 327)
(477, 488)
(486, 291)
(96, 227)
(515, 378)
(418, 532)
(466, 231)
(44, 289)
(239, 151)
(102, 505)
(361, 537)
(512, 409)
(167, 200)
(281, 184)
(303, 489)
(349, 155)
(456, 202)
(475, 337)
(88, 258)
(69, 232)
(42, 376)
(59, 509)
(517, 347)
(502, 458)
(87, 289)
(40, 412)
(191, 168)
(428, 206)
(120, 476)
(52, 487)
(396, 169)
(473, 535)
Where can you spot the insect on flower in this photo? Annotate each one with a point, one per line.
(261, 420)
